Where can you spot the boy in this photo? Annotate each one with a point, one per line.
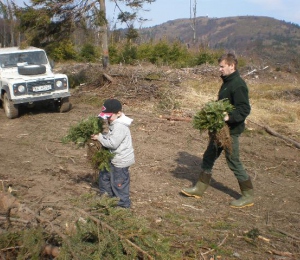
(118, 140)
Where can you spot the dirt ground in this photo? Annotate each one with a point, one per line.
(46, 174)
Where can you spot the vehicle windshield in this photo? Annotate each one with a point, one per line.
(9, 60)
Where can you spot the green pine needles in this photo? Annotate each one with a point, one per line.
(211, 116)
(81, 132)
(101, 159)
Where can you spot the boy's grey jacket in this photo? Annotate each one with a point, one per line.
(118, 141)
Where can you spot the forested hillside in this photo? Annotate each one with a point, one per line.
(262, 38)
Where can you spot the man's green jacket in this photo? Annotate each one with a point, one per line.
(235, 89)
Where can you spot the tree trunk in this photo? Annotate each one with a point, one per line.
(11, 24)
(193, 18)
(105, 57)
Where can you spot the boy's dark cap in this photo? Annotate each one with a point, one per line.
(110, 107)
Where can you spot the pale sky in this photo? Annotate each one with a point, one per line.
(164, 10)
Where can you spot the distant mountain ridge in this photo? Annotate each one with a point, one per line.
(258, 37)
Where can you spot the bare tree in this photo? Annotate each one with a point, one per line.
(11, 23)
(193, 14)
(8, 24)
(105, 57)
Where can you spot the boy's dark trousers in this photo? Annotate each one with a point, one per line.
(116, 183)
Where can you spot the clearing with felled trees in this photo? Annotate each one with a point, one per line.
(50, 206)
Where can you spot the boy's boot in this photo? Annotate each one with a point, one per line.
(247, 195)
(200, 187)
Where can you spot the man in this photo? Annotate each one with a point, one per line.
(235, 90)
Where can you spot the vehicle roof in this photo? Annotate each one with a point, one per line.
(17, 49)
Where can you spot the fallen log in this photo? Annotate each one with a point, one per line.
(272, 132)
(109, 78)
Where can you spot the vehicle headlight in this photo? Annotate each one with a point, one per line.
(21, 88)
(59, 83)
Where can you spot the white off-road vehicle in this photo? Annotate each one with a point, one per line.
(26, 77)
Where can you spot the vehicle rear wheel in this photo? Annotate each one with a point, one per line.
(65, 105)
(11, 110)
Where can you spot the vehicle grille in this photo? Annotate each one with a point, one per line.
(40, 86)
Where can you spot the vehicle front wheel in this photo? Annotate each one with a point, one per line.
(11, 110)
(64, 105)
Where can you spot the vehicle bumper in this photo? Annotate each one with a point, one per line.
(53, 96)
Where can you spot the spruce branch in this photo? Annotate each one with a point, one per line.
(211, 116)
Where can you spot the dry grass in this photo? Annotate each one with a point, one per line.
(198, 92)
(270, 106)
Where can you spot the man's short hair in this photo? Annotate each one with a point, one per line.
(229, 59)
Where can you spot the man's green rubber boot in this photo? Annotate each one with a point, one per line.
(247, 196)
(200, 187)
(196, 191)
(245, 201)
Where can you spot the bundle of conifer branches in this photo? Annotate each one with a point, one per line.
(80, 134)
(211, 118)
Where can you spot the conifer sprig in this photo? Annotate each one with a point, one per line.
(101, 159)
(211, 116)
(81, 132)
